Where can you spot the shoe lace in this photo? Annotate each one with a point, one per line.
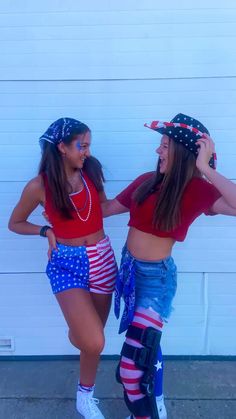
(93, 405)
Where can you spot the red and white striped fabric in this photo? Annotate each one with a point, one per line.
(102, 267)
(130, 374)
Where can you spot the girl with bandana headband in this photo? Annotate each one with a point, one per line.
(81, 267)
(162, 206)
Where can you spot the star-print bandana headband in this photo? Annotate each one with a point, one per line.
(62, 129)
(184, 130)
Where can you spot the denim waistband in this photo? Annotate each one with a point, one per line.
(167, 261)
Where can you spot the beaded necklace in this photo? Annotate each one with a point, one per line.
(88, 199)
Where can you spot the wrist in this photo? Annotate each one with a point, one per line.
(43, 231)
(207, 171)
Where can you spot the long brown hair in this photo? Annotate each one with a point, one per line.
(52, 165)
(170, 187)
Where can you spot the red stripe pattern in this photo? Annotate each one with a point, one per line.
(129, 372)
(102, 267)
(160, 124)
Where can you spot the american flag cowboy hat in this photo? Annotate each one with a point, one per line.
(185, 130)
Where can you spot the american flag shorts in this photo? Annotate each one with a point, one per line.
(92, 268)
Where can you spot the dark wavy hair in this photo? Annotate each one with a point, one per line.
(170, 185)
(52, 165)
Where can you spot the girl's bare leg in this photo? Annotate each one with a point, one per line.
(85, 316)
(102, 304)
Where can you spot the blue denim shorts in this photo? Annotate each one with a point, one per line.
(155, 285)
(146, 284)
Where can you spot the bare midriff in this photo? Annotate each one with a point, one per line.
(84, 240)
(146, 246)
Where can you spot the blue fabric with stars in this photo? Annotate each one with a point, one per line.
(68, 268)
(158, 389)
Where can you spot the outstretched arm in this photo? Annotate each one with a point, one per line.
(112, 207)
(227, 203)
(123, 201)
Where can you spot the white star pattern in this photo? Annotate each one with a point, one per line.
(158, 365)
(79, 276)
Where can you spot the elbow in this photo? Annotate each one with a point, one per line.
(11, 226)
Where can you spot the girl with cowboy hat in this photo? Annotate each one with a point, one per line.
(162, 205)
(81, 266)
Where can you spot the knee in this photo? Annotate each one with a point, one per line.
(72, 339)
(93, 345)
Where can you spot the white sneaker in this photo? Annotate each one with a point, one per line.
(161, 408)
(86, 405)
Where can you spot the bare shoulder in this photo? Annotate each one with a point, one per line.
(35, 187)
(36, 182)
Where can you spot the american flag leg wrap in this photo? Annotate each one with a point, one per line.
(130, 374)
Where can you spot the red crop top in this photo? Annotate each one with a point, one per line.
(198, 198)
(69, 228)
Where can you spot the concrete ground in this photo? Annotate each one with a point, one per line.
(46, 390)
